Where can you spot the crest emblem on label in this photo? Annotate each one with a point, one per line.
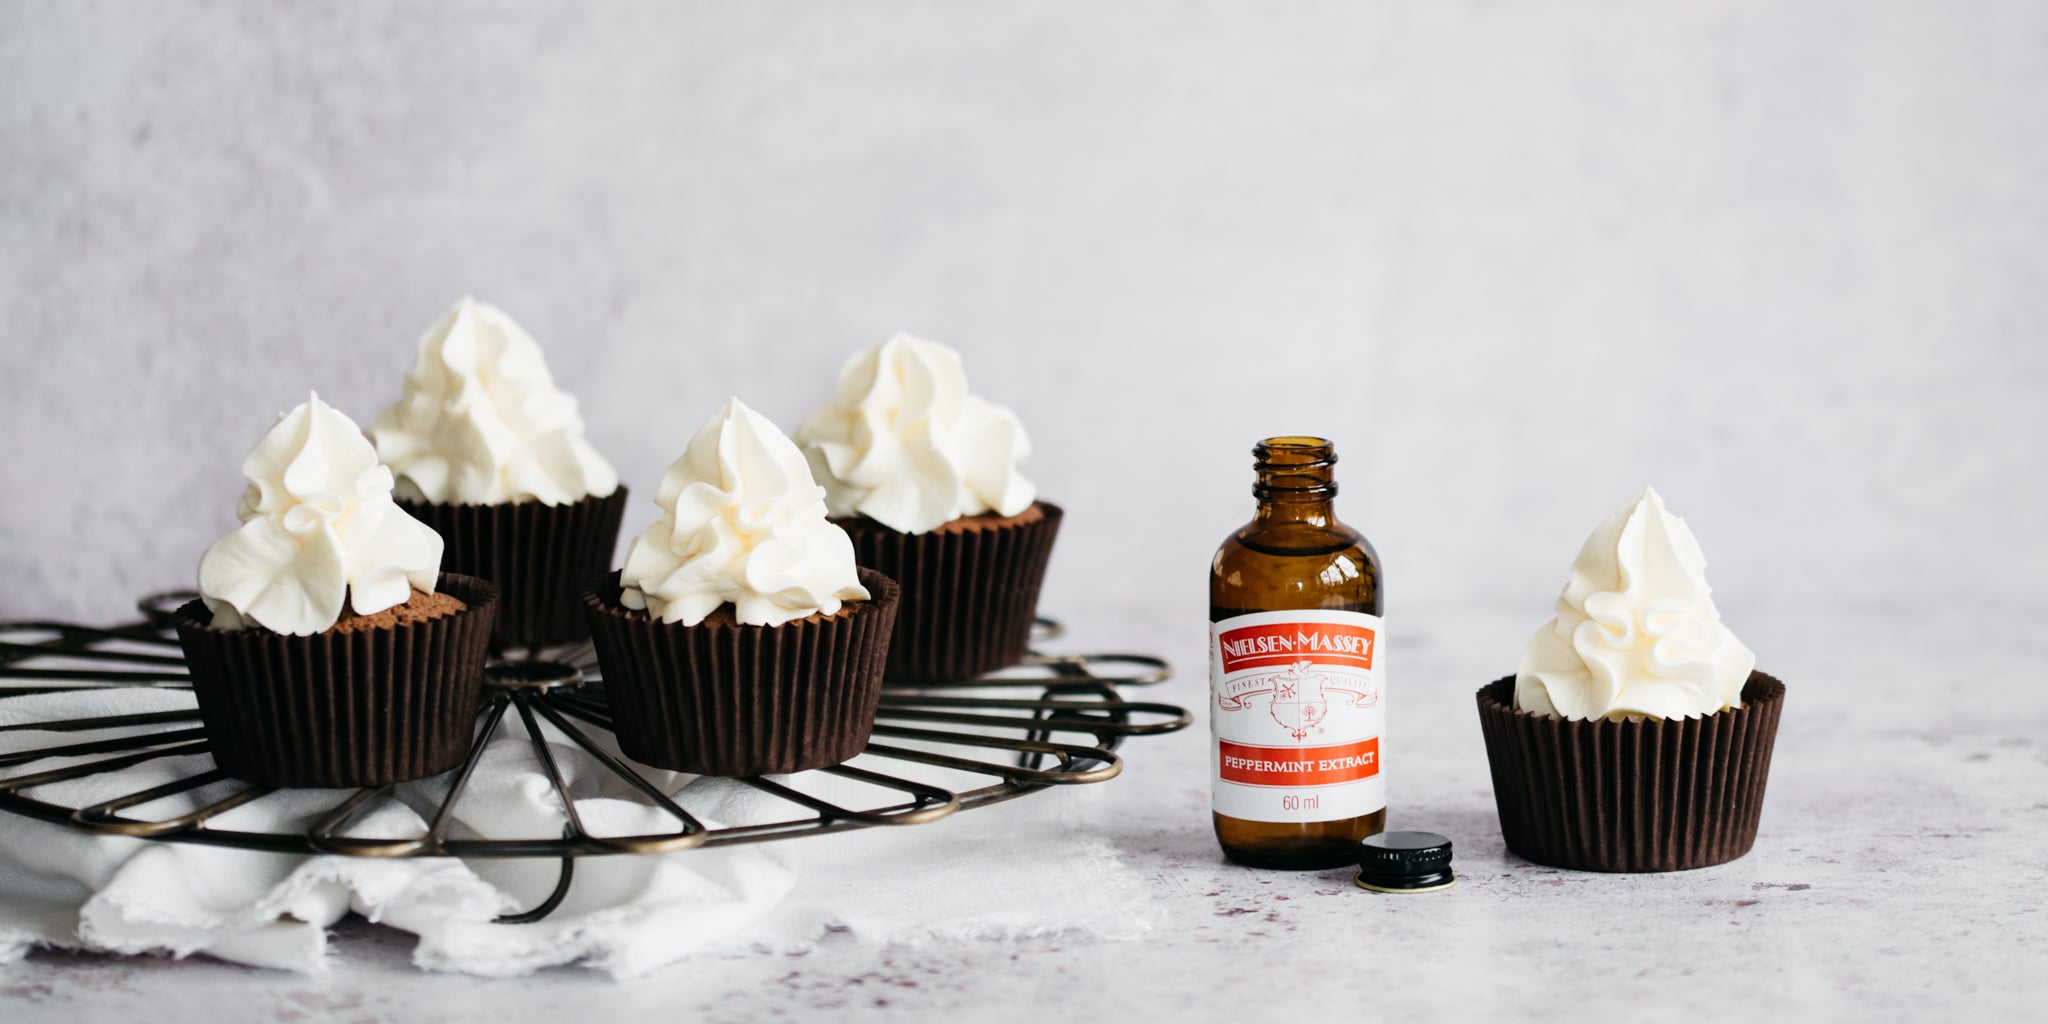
(1299, 703)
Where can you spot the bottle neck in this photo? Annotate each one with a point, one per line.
(1308, 513)
(1293, 479)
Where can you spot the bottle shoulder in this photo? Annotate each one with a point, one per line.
(1259, 568)
(1297, 540)
(1292, 538)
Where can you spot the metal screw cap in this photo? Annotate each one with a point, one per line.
(1405, 862)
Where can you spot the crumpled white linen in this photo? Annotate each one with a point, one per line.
(1009, 871)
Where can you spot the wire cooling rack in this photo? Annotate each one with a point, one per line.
(938, 749)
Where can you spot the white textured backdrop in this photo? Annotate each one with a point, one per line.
(1784, 261)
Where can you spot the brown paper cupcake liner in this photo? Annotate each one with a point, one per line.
(362, 708)
(970, 590)
(724, 699)
(539, 556)
(1631, 796)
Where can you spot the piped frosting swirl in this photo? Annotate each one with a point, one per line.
(318, 525)
(742, 523)
(905, 444)
(481, 421)
(1636, 632)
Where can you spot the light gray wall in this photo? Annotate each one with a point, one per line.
(1784, 261)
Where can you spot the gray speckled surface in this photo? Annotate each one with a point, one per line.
(1899, 875)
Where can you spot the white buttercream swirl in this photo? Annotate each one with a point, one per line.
(742, 522)
(1636, 633)
(481, 422)
(904, 444)
(318, 525)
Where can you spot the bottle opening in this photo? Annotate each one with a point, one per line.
(1295, 452)
(1294, 468)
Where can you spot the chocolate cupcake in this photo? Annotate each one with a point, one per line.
(539, 556)
(739, 638)
(970, 588)
(923, 475)
(492, 456)
(1637, 735)
(326, 648)
(375, 699)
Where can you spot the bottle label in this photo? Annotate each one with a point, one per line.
(1296, 711)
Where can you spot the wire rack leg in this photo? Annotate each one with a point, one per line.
(549, 905)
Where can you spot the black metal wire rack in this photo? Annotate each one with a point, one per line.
(938, 749)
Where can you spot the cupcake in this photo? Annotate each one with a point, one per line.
(923, 476)
(1637, 734)
(491, 455)
(740, 638)
(326, 647)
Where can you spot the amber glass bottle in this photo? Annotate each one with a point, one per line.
(1296, 707)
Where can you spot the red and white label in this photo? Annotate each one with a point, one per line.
(1283, 643)
(1297, 714)
(1303, 766)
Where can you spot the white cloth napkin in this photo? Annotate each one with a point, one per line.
(1012, 870)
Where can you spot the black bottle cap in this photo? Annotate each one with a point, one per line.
(1405, 862)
